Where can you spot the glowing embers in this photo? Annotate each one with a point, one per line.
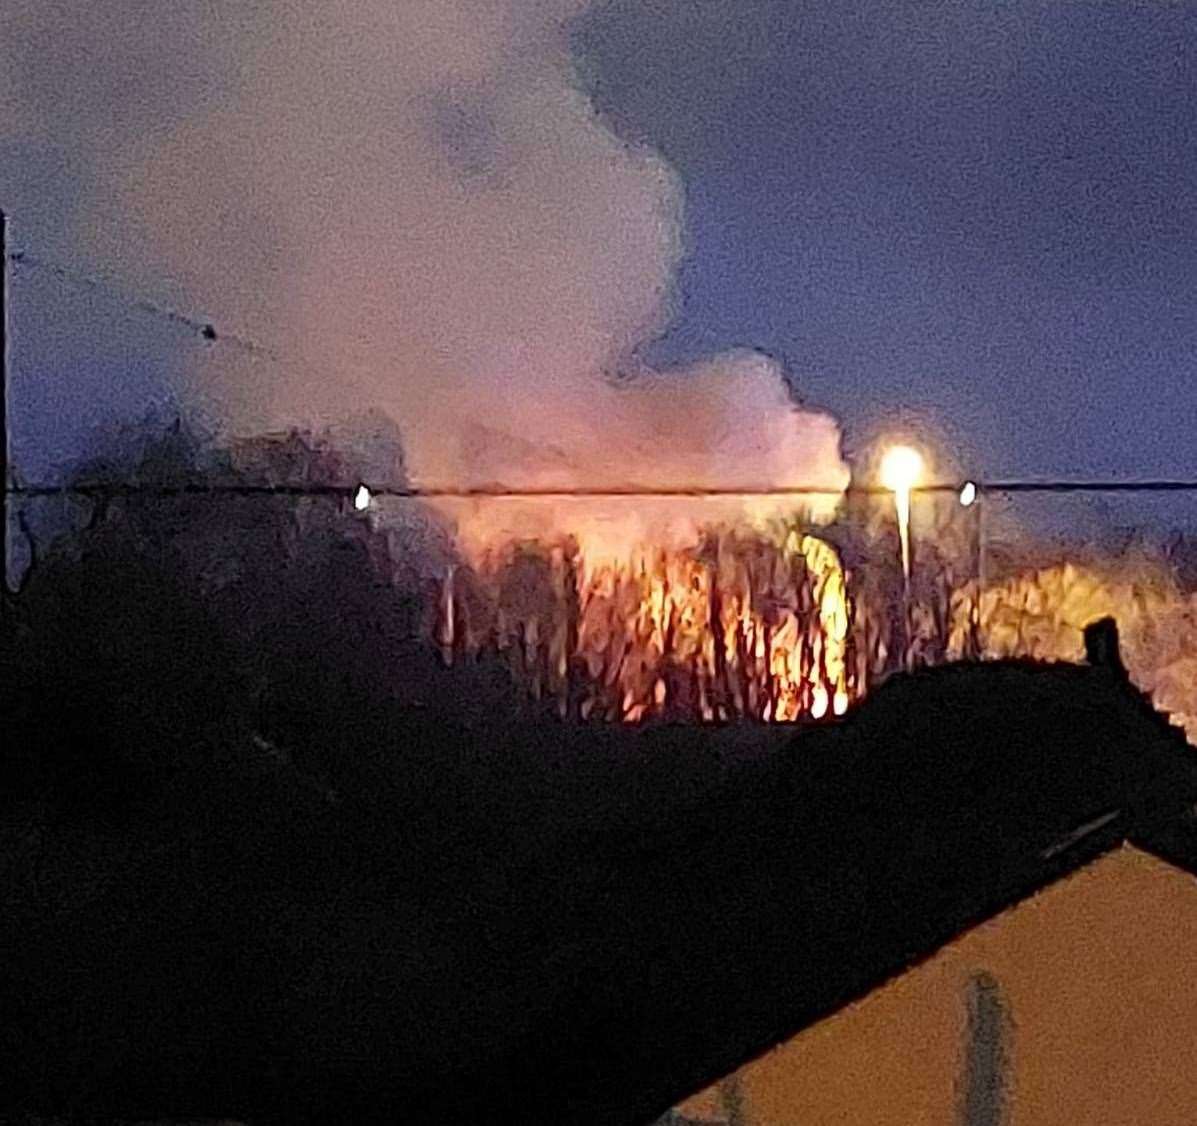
(738, 627)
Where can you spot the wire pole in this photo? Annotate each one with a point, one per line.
(978, 573)
(4, 398)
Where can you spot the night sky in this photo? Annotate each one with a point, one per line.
(986, 213)
(980, 219)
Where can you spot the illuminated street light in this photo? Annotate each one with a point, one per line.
(970, 495)
(901, 469)
(361, 498)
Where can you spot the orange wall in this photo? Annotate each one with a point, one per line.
(1099, 976)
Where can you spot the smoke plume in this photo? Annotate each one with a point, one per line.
(415, 210)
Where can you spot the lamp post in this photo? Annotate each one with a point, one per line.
(970, 496)
(4, 404)
(901, 470)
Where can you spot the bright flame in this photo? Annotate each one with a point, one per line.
(968, 494)
(740, 626)
(747, 624)
(361, 498)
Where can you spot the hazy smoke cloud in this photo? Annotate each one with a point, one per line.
(416, 209)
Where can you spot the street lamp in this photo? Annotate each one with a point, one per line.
(970, 497)
(901, 469)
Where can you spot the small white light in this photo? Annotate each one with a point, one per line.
(968, 494)
(361, 499)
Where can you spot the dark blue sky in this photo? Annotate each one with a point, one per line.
(983, 214)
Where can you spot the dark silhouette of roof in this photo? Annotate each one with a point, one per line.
(580, 925)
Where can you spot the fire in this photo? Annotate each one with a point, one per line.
(1041, 613)
(766, 625)
(738, 626)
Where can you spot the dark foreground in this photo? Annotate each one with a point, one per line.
(463, 922)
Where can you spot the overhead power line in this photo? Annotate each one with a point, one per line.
(1090, 487)
(209, 333)
(118, 489)
(206, 330)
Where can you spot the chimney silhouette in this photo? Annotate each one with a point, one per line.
(1101, 646)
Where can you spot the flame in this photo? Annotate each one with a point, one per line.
(1041, 613)
(736, 626)
(742, 623)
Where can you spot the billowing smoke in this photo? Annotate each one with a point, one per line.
(729, 424)
(414, 209)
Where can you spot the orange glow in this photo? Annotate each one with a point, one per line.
(740, 626)
(1041, 613)
(769, 626)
